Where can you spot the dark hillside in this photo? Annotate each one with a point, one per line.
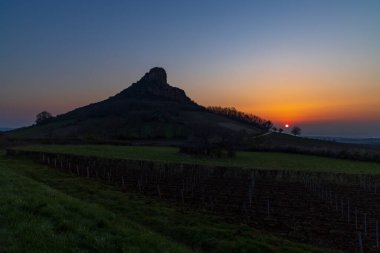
(148, 109)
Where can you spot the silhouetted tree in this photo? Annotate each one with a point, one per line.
(280, 130)
(212, 141)
(248, 118)
(274, 129)
(296, 131)
(43, 117)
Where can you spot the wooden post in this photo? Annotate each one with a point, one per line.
(348, 211)
(77, 170)
(356, 217)
(360, 241)
(323, 193)
(122, 180)
(365, 224)
(159, 190)
(377, 234)
(139, 185)
(250, 196)
(268, 208)
(88, 172)
(183, 198)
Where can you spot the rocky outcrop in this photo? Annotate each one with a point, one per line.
(154, 85)
(156, 76)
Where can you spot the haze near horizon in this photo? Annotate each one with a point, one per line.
(313, 64)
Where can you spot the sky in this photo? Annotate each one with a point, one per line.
(315, 64)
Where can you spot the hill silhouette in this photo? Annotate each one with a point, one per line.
(148, 109)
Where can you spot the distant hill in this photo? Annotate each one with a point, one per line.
(363, 141)
(305, 145)
(147, 109)
(5, 129)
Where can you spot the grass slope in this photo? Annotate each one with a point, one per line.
(37, 218)
(43, 210)
(262, 160)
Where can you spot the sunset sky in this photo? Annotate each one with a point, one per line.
(315, 64)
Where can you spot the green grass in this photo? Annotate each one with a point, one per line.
(44, 210)
(35, 217)
(260, 160)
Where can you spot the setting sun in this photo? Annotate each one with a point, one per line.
(286, 125)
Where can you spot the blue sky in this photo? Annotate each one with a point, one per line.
(283, 60)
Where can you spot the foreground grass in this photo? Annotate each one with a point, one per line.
(261, 160)
(43, 210)
(37, 218)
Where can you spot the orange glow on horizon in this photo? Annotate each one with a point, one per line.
(300, 95)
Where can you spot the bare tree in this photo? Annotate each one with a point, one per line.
(212, 141)
(43, 117)
(296, 131)
(280, 130)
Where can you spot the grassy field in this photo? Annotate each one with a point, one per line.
(43, 210)
(35, 217)
(261, 160)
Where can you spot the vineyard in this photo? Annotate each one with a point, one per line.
(339, 211)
